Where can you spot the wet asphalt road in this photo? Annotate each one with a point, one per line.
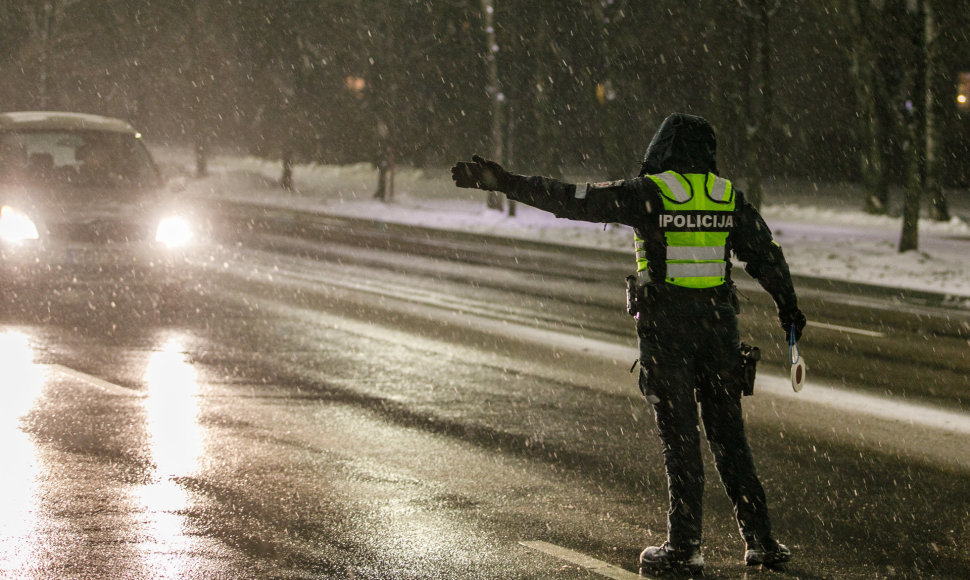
(343, 399)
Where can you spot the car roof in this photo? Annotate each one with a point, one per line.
(59, 120)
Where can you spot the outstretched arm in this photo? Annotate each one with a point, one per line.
(613, 202)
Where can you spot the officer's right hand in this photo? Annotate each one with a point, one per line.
(480, 174)
(793, 322)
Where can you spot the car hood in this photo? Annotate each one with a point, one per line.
(84, 205)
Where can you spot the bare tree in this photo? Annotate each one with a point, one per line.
(495, 94)
(608, 16)
(199, 46)
(916, 123)
(533, 84)
(383, 97)
(42, 19)
(918, 80)
(923, 176)
(872, 96)
(284, 59)
(937, 83)
(759, 102)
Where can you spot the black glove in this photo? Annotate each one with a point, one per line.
(792, 321)
(481, 174)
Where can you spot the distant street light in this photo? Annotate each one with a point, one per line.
(963, 92)
(355, 85)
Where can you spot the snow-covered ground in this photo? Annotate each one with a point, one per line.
(820, 227)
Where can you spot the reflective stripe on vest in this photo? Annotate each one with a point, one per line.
(675, 185)
(695, 253)
(698, 216)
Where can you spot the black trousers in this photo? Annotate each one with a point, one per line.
(691, 360)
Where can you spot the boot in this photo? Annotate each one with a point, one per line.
(667, 558)
(769, 554)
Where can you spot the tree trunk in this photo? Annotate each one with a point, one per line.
(752, 161)
(201, 155)
(286, 179)
(867, 82)
(760, 100)
(766, 86)
(916, 154)
(614, 152)
(510, 149)
(197, 33)
(547, 127)
(497, 98)
(49, 16)
(909, 237)
(936, 87)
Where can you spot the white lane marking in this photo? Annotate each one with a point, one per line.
(847, 329)
(886, 408)
(110, 388)
(582, 560)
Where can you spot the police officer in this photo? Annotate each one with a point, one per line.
(687, 220)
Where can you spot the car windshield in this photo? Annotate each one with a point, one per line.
(76, 160)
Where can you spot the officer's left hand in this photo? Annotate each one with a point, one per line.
(793, 322)
(480, 174)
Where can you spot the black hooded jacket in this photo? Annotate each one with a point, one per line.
(685, 144)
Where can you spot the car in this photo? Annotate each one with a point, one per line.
(83, 204)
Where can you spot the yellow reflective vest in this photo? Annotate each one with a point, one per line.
(697, 216)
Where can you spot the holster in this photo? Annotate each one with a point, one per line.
(750, 355)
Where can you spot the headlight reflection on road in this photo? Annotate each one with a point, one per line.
(22, 384)
(173, 410)
(176, 446)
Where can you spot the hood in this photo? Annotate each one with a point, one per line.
(82, 204)
(683, 143)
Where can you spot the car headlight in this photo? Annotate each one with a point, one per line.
(15, 226)
(174, 232)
